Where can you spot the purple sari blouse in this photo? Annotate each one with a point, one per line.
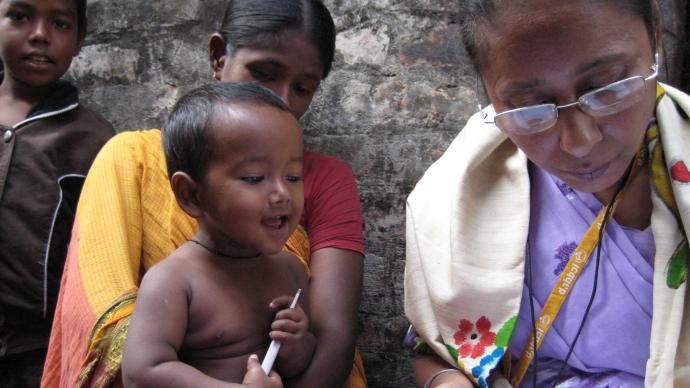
(613, 347)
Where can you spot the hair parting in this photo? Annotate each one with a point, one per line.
(476, 15)
(249, 22)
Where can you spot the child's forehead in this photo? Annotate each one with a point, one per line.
(248, 115)
(232, 118)
(67, 6)
(256, 124)
(236, 110)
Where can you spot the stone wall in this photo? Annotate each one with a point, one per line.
(401, 89)
(685, 76)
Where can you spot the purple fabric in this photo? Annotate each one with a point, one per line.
(548, 376)
(615, 340)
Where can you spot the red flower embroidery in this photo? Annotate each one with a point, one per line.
(473, 342)
(680, 173)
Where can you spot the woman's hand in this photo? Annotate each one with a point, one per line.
(256, 378)
(457, 380)
(453, 385)
(432, 371)
(334, 294)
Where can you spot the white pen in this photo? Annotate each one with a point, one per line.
(273, 349)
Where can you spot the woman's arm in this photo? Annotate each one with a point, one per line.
(126, 220)
(335, 290)
(333, 221)
(291, 327)
(101, 248)
(428, 366)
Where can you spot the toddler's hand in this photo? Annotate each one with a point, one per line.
(291, 329)
(255, 376)
(290, 326)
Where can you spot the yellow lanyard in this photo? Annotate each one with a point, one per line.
(576, 265)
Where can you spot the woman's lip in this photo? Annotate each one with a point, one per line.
(590, 174)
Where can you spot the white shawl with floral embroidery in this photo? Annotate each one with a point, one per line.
(467, 224)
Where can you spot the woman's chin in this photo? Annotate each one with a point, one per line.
(602, 187)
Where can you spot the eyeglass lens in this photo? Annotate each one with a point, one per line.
(613, 98)
(605, 101)
(532, 119)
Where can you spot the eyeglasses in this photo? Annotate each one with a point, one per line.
(604, 101)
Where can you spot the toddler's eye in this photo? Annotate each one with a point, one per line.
(253, 180)
(294, 178)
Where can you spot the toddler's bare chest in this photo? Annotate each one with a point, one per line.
(232, 317)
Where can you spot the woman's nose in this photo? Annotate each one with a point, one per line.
(283, 90)
(579, 133)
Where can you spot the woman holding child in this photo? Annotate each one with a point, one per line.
(128, 218)
(551, 234)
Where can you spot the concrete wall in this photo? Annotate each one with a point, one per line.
(401, 89)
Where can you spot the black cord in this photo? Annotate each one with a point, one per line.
(589, 304)
(604, 222)
(221, 254)
(532, 315)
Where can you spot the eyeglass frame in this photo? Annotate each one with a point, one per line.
(578, 102)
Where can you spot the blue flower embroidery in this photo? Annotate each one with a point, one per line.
(489, 362)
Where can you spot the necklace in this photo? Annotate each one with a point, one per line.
(215, 252)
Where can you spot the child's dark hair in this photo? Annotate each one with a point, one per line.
(81, 18)
(246, 22)
(478, 14)
(186, 131)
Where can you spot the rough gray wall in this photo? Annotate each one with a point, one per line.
(685, 72)
(401, 89)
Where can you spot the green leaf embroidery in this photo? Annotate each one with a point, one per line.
(422, 348)
(453, 352)
(504, 334)
(678, 266)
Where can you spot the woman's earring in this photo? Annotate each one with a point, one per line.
(214, 75)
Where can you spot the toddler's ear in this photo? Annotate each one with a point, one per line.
(186, 193)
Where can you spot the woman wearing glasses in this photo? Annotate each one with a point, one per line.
(551, 234)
